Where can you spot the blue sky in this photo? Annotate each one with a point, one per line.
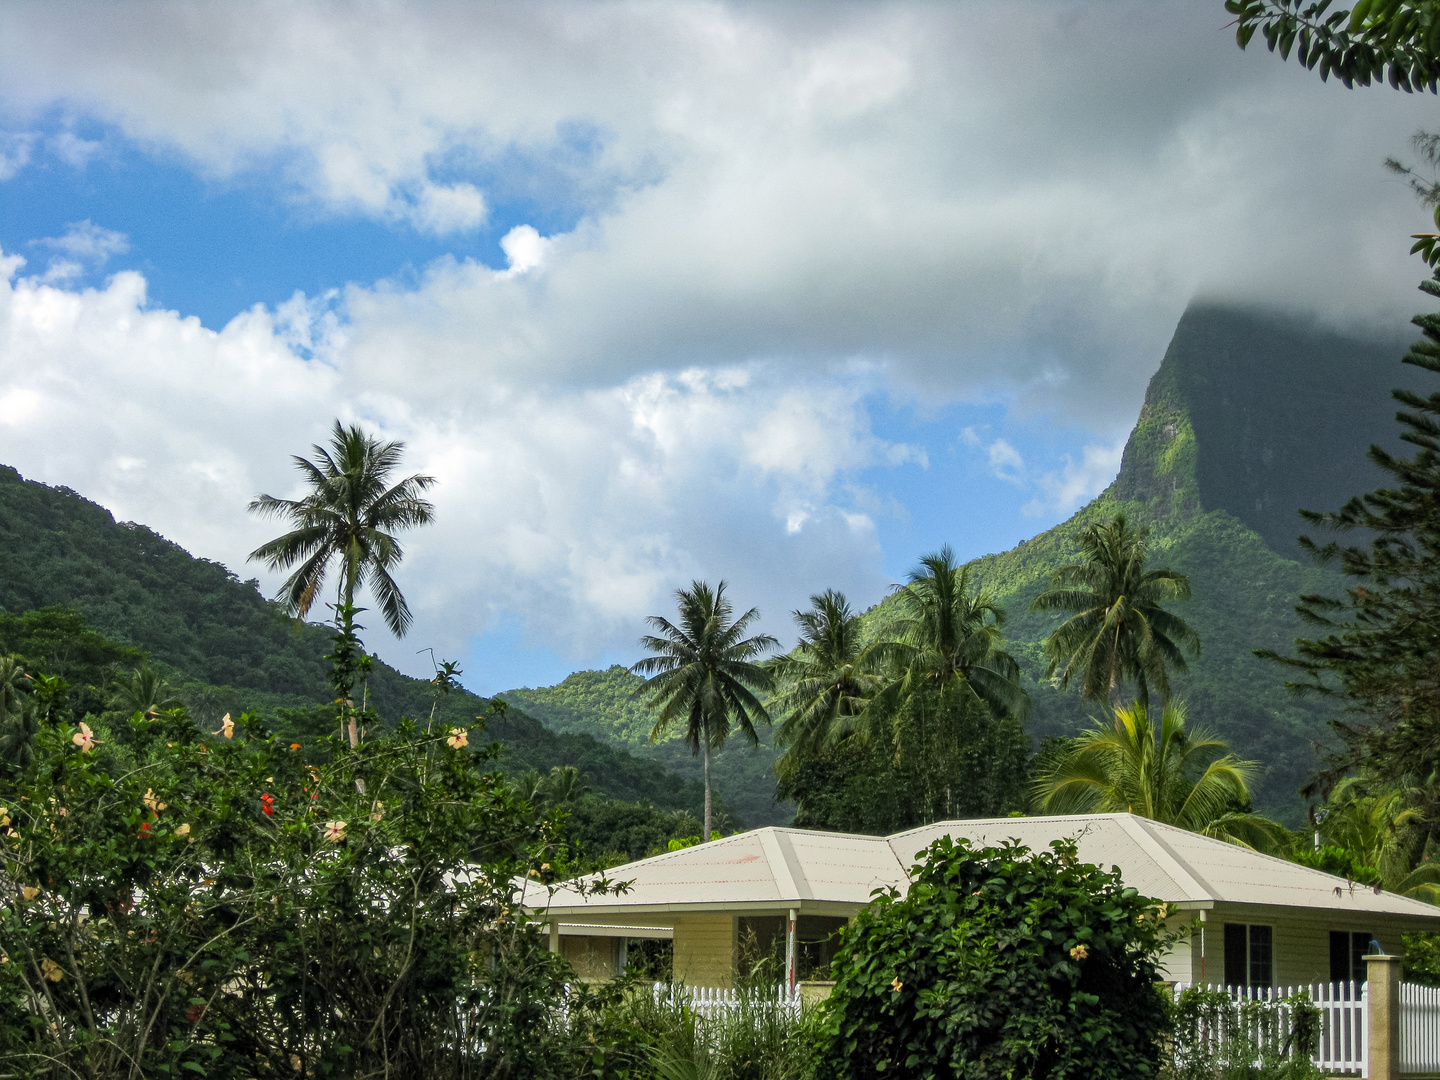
(656, 292)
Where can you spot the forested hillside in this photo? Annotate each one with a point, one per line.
(229, 649)
(1251, 416)
(603, 704)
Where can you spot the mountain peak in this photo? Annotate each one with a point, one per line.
(1260, 414)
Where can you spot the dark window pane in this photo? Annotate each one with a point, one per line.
(1339, 956)
(1235, 955)
(1261, 956)
(1359, 946)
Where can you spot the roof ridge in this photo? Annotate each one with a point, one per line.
(1138, 827)
(780, 867)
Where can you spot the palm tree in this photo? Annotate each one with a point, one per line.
(351, 512)
(1185, 778)
(18, 715)
(1118, 631)
(144, 692)
(1381, 824)
(703, 671)
(827, 679)
(947, 634)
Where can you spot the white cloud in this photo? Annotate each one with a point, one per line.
(772, 214)
(579, 510)
(15, 150)
(1077, 482)
(84, 245)
(524, 249)
(73, 150)
(870, 181)
(1005, 462)
(88, 241)
(444, 209)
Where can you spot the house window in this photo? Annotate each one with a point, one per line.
(1249, 955)
(1346, 949)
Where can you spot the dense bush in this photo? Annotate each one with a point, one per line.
(176, 902)
(999, 962)
(1216, 1038)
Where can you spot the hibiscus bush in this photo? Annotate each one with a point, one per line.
(999, 962)
(176, 902)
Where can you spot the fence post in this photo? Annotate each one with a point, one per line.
(1383, 974)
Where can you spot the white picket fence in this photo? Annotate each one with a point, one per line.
(712, 1002)
(1419, 1028)
(1343, 1019)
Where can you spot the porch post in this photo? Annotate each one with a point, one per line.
(790, 950)
(1382, 1001)
(554, 935)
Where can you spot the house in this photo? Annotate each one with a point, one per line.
(1254, 920)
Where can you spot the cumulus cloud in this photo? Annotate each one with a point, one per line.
(873, 182)
(84, 245)
(15, 150)
(524, 249)
(772, 216)
(1077, 482)
(1005, 462)
(580, 511)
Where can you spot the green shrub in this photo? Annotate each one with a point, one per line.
(758, 1040)
(174, 903)
(1215, 1038)
(999, 962)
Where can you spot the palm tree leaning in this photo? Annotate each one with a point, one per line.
(1118, 631)
(826, 680)
(351, 513)
(1189, 779)
(703, 671)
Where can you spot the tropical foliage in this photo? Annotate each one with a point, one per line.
(1181, 777)
(948, 634)
(1396, 42)
(704, 673)
(604, 704)
(350, 514)
(998, 961)
(1118, 631)
(828, 679)
(223, 904)
(922, 723)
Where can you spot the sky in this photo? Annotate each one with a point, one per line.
(786, 295)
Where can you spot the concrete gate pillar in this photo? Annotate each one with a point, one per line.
(1382, 994)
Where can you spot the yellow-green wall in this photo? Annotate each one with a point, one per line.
(705, 950)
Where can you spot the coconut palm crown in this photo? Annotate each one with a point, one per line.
(1118, 631)
(704, 672)
(1180, 777)
(826, 679)
(351, 513)
(947, 632)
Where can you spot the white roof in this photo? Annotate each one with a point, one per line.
(774, 867)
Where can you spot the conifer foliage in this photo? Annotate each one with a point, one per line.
(1375, 647)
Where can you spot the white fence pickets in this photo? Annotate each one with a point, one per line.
(712, 1002)
(1419, 1028)
(1344, 1019)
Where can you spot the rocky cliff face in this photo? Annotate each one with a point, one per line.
(1260, 415)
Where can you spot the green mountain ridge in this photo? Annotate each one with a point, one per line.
(228, 649)
(603, 704)
(1252, 415)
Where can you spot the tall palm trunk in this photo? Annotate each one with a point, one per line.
(705, 759)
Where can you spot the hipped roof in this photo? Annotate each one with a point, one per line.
(776, 867)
